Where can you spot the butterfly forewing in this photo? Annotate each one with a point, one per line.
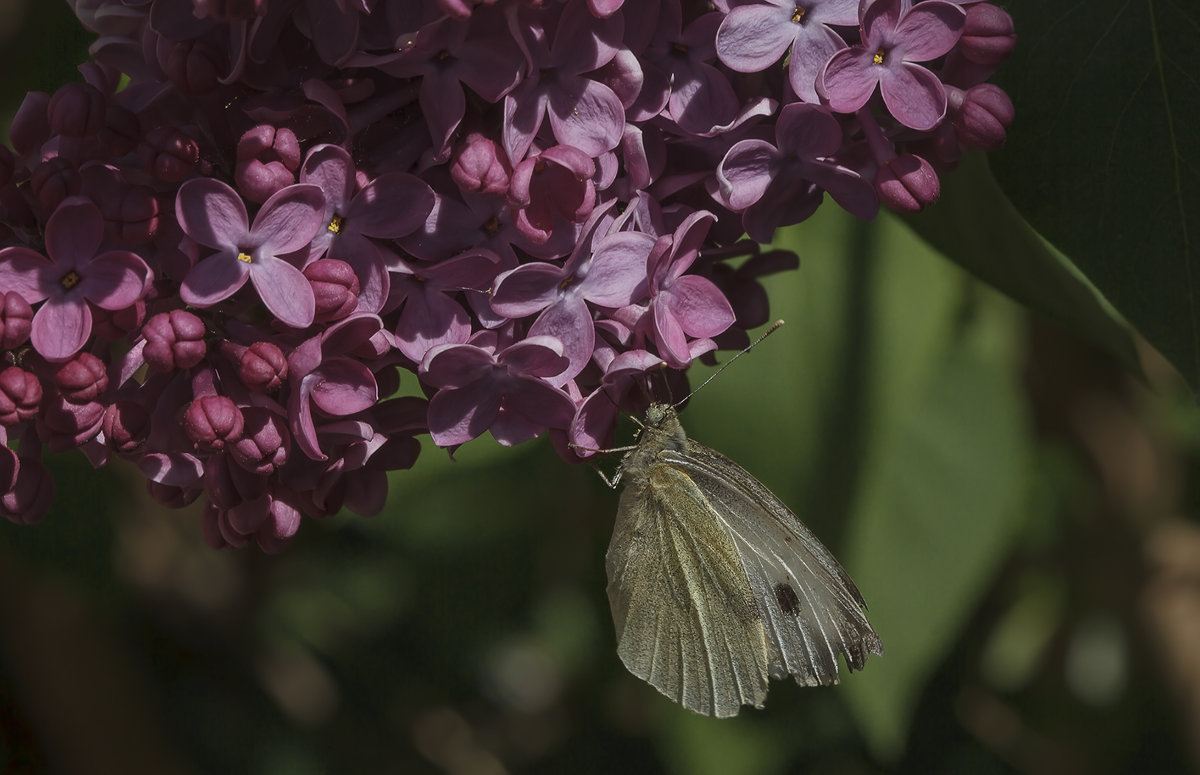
(685, 619)
(811, 609)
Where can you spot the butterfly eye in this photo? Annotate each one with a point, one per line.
(786, 597)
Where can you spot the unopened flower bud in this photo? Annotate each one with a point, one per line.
(16, 320)
(211, 421)
(988, 35)
(263, 367)
(336, 287)
(267, 161)
(76, 110)
(20, 395)
(174, 340)
(125, 425)
(983, 117)
(907, 184)
(81, 379)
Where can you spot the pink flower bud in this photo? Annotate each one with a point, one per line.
(211, 421)
(16, 320)
(335, 286)
(76, 110)
(263, 367)
(907, 184)
(81, 379)
(174, 340)
(20, 395)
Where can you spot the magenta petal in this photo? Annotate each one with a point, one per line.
(618, 268)
(754, 37)
(430, 319)
(456, 365)
(331, 168)
(115, 280)
(930, 29)
(391, 206)
(701, 308)
(289, 219)
(457, 416)
(541, 403)
(344, 386)
(669, 337)
(849, 79)
(526, 290)
(914, 95)
(73, 233)
(808, 131)
(587, 115)
(61, 328)
(285, 291)
(26, 272)
(537, 356)
(570, 322)
(214, 279)
(880, 20)
(745, 172)
(212, 213)
(811, 50)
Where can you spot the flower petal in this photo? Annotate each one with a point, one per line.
(587, 115)
(212, 213)
(74, 232)
(458, 415)
(754, 37)
(930, 30)
(115, 280)
(849, 79)
(26, 272)
(61, 327)
(914, 96)
(214, 279)
(344, 386)
(285, 291)
(289, 219)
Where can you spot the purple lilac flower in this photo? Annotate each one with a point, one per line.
(895, 36)
(753, 37)
(212, 214)
(72, 278)
(521, 207)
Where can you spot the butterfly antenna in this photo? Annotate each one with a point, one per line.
(772, 329)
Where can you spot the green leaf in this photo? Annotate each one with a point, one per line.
(938, 509)
(1102, 158)
(976, 226)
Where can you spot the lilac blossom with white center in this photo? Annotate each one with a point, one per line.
(212, 214)
(755, 36)
(895, 36)
(521, 209)
(72, 278)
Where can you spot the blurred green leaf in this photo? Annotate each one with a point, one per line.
(938, 509)
(1102, 157)
(976, 226)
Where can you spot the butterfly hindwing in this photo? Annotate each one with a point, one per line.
(811, 609)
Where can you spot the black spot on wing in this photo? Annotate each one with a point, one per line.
(787, 599)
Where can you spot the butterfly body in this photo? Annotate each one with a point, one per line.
(716, 586)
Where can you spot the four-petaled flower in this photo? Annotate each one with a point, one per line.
(213, 214)
(72, 278)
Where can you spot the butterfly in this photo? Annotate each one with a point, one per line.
(716, 586)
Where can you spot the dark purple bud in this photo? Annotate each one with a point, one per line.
(20, 395)
(263, 367)
(125, 425)
(168, 154)
(76, 110)
(211, 421)
(8, 163)
(988, 35)
(983, 117)
(131, 216)
(29, 499)
(115, 325)
(174, 340)
(336, 287)
(195, 66)
(210, 527)
(70, 424)
(30, 128)
(54, 180)
(81, 379)
(122, 131)
(481, 166)
(267, 162)
(16, 320)
(264, 444)
(907, 184)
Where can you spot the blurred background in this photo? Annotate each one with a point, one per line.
(1015, 506)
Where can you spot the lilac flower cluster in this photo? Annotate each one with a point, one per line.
(220, 251)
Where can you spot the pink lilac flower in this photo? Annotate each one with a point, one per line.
(895, 36)
(72, 278)
(212, 214)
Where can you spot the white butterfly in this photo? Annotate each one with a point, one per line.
(716, 586)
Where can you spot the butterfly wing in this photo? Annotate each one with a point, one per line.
(811, 609)
(686, 622)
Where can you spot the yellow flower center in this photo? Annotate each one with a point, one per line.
(70, 279)
(798, 14)
(245, 257)
(879, 56)
(335, 224)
